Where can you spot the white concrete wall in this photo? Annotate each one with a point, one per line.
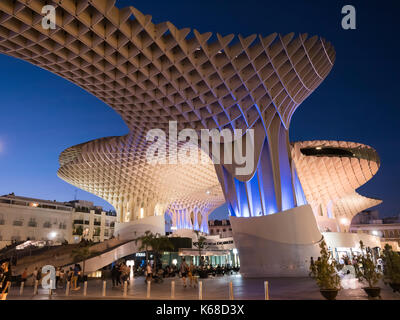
(350, 240)
(277, 245)
(134, 229)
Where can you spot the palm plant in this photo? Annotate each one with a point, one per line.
(159, 244)
(146, 243)
(201, 245)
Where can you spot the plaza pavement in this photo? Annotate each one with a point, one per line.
(213, 289)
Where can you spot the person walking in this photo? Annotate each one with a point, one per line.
(24, 276)
(62, 277)
(119, 274)
(184, 271)
(192, 277)
(114, 275)
(149, 273)
(125, 273)
(70, 275)
(57, 276)
(75, 277)
(35, 274)
(5, 280)
(39, 274)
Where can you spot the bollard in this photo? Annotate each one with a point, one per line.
(67, 289)
(35, 288)
(231, 291)
(148, 289)
(85, 288)
(200, 290)
(172, 289)
(104, 288)
(266, 290)
(50, 289)
(21, 290)
(125, 288)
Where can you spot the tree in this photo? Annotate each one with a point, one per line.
(159, 244)
(201, 245)
(324, 270)
(391, 260)
(365, 267)
(81, 254)
(145, 243)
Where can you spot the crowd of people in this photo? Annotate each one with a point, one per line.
(188, 272)
(120, 273)
(63, 275)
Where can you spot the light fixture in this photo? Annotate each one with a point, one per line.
(141, 213)
(130, 263)
(34, 204)
(52, 235)
(208, 192)
(174, 262)
(235, 251)
(375, 233)
(344, 221)
(318, 148)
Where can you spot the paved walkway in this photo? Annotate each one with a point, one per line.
(213, 289)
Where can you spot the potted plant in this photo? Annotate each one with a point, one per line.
(391, 269)
(324, 272)
(365, 270)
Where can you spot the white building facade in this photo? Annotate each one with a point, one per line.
(23, 218)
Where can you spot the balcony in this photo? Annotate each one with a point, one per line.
(47, 225)
(78, 221)
(32, 224)
(18, 223)
(2, 222)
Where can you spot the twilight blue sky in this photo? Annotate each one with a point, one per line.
(42, 114)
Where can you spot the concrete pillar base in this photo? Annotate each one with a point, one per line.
(277, 245)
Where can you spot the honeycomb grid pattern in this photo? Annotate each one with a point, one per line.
(333, 180)
(155, 73)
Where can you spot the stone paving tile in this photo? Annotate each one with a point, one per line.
(213, 289)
